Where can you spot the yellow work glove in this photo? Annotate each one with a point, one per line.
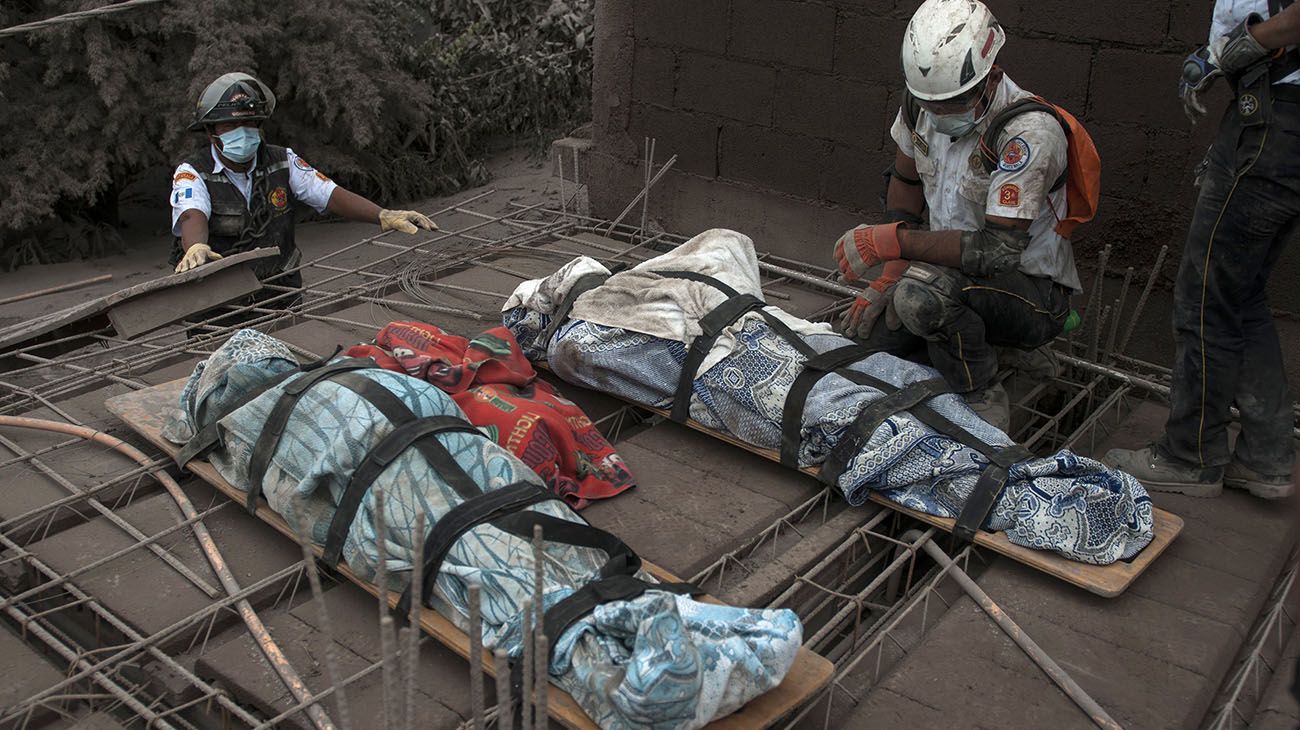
(196, 255)
(405, 221)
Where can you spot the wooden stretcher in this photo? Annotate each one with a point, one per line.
(146, 410)
(1107, 581)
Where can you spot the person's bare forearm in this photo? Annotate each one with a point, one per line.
(902, 195)
(1279, 31)
(941, 248)
(347, 204)
(194, 228)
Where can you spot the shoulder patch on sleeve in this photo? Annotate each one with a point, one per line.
(1009, 195)
(1015, 155)
(184, 175)
(302, 164)
(322, 176)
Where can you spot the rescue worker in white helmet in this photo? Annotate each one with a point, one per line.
(237, 193)
(992, 269)
(1247, 211)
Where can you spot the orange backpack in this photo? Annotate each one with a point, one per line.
(1082, 175)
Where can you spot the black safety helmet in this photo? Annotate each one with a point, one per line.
(234, 97)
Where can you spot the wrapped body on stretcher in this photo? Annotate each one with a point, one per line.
(631, 334)
(656, 659)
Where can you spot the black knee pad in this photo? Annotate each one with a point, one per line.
(925, 301)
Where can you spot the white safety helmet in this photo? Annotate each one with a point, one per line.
(949, 47)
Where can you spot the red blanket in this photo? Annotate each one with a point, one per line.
(496, 386)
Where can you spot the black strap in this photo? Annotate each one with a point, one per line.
(870, 418)
(975, 513)
(558, 618)
(208, 436)
(584, 284)
(378, 459)
(814, 369)
(273, 428)
(462, 518)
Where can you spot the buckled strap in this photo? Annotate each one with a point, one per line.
(273, 428)
(712, 324)
(987, 489)
(870, 418)
(461, 519)
(814, 369)
(621, 558)
(584, 284)
(558, 618)
(378, 459)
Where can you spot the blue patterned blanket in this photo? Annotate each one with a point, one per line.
(1066, 503)
(660, 660)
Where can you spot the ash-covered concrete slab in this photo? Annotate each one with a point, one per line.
(146, 592)
(679, 516)
(25, 673)
(1279, 709)
(97, 721)
(443, 679)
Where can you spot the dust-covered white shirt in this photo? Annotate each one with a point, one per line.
(189, 192)
(959, 193)
(1228, 14)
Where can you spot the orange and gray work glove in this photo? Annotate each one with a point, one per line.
(866, 246)
(406, 221)
(874, 301)
(196, 255)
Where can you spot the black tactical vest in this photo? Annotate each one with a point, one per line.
(265, 221)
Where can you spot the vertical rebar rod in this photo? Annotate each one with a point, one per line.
(505, 712)
(542, 681)
(417, 603)
(1114, 328)
(526, 689)
(385, 618)
(1094, 300)
(388, 646)
(476, 657)
(323, 619)
(1095, 345)
(559, 160)
(1142, 300)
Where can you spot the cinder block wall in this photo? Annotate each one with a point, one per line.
(779, 110)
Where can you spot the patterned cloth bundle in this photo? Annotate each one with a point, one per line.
(629, 337)
(659, 660)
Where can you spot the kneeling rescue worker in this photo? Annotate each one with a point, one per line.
(238, 193)
(1227, 349)
(1006, 177)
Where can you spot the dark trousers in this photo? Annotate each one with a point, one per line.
(1227, 348)
(1011, 310)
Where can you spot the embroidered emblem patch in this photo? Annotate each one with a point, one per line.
(279, 198)
(1009, 195)
(1248, 104)
(1015, 155)
(302, 164)
(185, 175)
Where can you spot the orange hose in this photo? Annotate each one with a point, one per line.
(255, 626)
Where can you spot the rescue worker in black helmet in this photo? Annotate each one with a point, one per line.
(238, 192)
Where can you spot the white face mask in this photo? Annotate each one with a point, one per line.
(961, 123)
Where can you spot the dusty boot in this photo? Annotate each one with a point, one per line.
(1160, 474)
(1240, 476)
(993, 405)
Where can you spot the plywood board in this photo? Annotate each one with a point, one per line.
(146, 410)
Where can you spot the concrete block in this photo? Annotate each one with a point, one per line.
(611, 83)
(1122, 79)
(25, 673)
(563, 152)
(784, 32)
(818, 105)
(1189, 22)
(697, 24)
(866, 49)
(854, 179)
(727, 88)
(692, 137)
(1106, 20)
(653, 70)
(790, 163)
(1057, 70)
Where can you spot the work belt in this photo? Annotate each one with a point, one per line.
(502, 508)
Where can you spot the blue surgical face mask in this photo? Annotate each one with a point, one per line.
(240, 144)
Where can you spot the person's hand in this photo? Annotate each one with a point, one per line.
(196, 255)
(406, 221)
(872, 303)
(1198, 75)
(1238, 50)
(866, 246)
